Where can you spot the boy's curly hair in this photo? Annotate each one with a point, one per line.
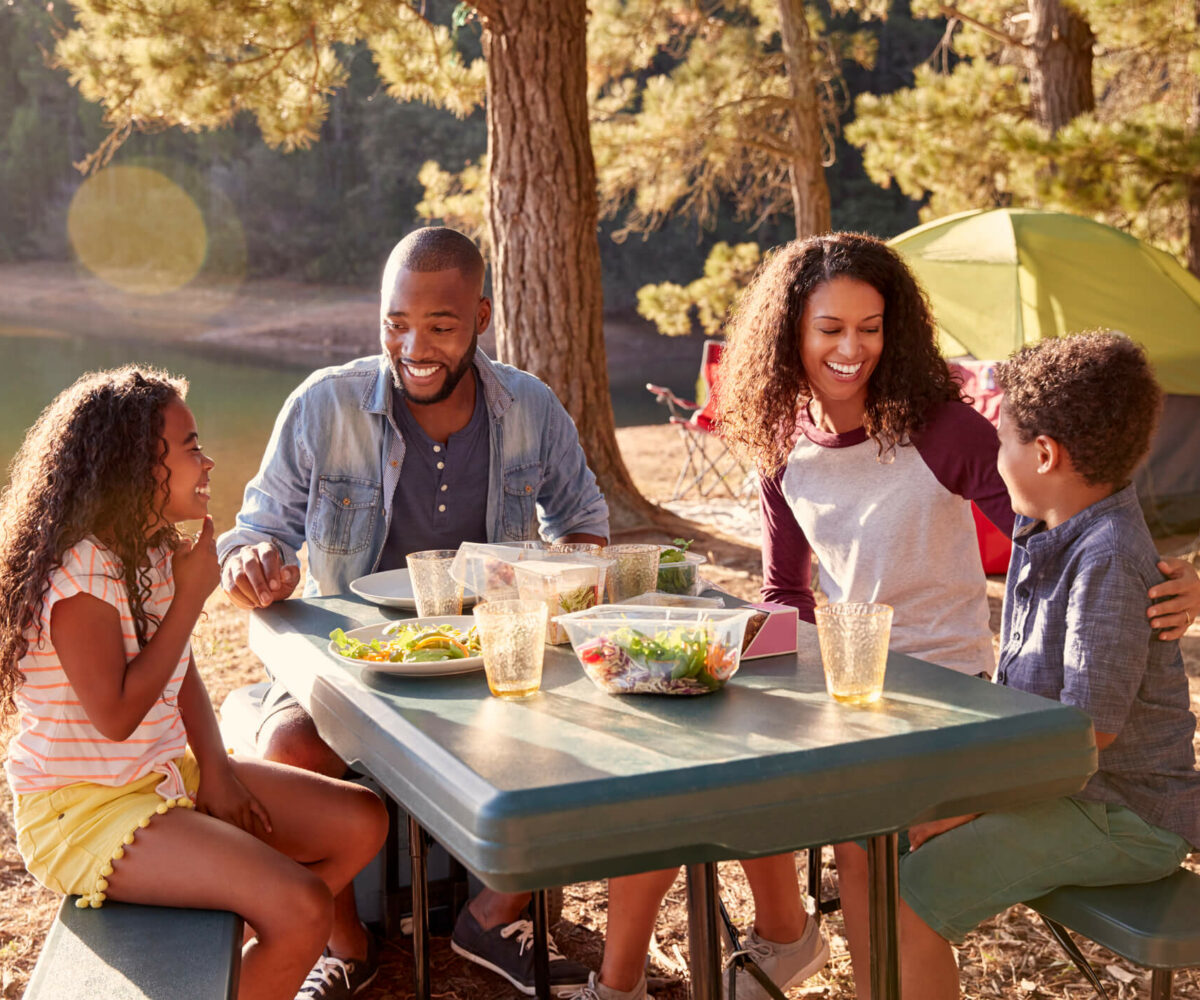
(87, 466)
(1093, 392)
(762, 378)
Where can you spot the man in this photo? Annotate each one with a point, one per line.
(423, 447)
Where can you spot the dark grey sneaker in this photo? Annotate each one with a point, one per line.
(339, 979)
(507, 950)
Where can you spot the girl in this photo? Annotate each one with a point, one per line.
(122, 788)
(833, 385)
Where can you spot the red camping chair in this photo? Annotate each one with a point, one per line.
(708, 462)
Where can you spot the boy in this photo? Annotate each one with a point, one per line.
(1077, 417)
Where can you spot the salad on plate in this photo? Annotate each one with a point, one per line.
(406, 642)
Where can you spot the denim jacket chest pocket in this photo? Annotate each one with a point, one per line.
(345, 514)
(521, 487)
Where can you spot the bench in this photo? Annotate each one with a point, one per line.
(1155, 925)
(123, 951)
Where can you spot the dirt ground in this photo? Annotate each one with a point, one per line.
(1011, 956)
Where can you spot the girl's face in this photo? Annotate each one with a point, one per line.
(184, 469)
(841, 341)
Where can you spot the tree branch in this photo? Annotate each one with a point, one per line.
(987, 29)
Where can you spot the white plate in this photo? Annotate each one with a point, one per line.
(438, 668)
(392, 589)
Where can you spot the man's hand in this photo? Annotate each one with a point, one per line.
(1182, 590)
(255, 576)
(917, 835)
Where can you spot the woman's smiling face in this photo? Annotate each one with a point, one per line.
(841, 341)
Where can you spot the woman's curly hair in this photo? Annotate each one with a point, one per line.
(87, 466)
(1094, 393)
(763, 380)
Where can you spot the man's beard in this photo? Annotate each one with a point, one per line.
(449, 383)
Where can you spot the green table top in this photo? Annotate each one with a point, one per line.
(575, 784)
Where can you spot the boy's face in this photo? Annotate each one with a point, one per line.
(1018, 462)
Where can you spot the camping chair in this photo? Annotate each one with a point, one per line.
(708, 462)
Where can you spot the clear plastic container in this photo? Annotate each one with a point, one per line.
(682, 576)
(657, 599)
(564, 582)
(636, 649)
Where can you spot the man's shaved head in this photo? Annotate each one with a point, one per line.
(435, 248)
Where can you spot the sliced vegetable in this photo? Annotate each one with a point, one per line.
(408, 643)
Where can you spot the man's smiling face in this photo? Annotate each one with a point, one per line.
(429, 325)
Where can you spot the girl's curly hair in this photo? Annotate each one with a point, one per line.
(763, 380)
(87, 466)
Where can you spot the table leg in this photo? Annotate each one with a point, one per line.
(883, 878)
(703, 942)
(417, 851)
(541, 945)
(391, 871)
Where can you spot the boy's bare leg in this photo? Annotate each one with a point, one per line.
(779, 914)
(927, 967)
(633, 905)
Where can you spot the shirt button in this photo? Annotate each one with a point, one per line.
(346, 502)
(444, 487)
(394, 463)
(442, 507)
(528, 488)
(437, 447)
(441, 465)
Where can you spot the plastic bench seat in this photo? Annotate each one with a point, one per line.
(1155, 925)
(127, 952)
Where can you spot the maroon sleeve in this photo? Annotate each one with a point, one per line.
(959, 446)
(786, 554)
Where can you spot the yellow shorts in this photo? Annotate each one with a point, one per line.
(69, 837)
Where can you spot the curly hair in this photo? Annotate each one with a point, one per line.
(1094, 393)
(89, 465)
(763, 381)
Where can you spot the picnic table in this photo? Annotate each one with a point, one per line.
(574, 784)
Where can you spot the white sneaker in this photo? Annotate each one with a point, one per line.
(595, 990)
(785, 964)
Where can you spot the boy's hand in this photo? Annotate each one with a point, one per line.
(256, 576)
(917, 835)
(194, 566)
(1182, 592)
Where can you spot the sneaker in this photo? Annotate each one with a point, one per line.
(595, 990)
(339, 979)
(508, 951)
(785, 964)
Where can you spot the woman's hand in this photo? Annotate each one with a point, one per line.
(222, 795)
(195, 568)
(1181, 591)
(919, 834)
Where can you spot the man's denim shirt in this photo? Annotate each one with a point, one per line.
(335, 456)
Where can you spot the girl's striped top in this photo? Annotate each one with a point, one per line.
(55, 744)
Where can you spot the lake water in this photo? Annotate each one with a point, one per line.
(235, 400)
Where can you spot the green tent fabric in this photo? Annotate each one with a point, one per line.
(1005, 277)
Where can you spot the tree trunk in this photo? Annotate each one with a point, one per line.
(1193, 184)
(542, 217)
(810, 192)
(1059, 60)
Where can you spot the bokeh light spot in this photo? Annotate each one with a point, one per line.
(137, 230)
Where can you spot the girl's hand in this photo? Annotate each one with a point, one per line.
(222, 796)
(919, 834)
(1181, 606)
(195, 568)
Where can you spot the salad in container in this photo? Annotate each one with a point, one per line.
(631, 649)
(565, 582)
(679, 569)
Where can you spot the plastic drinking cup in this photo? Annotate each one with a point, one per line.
(576, 548)
(512, 636)
(854, 646)
(635, 570)
(435, 590)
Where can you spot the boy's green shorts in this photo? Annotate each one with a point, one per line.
(957, 880)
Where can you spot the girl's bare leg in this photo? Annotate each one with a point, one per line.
(779, 914)
(927, 966)
(633, 905)
(184, 858)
